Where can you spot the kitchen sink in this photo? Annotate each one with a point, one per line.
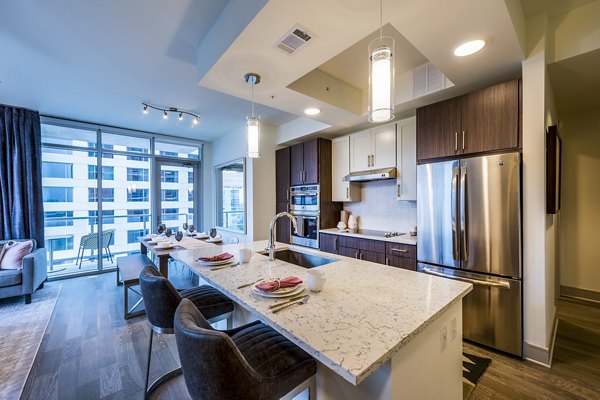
(305, 260)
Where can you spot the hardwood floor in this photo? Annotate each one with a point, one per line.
(575, 372)
(90, 352)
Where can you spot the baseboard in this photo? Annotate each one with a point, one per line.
(584, 294)
(540, 355)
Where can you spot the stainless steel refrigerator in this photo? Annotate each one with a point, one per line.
(469, 223)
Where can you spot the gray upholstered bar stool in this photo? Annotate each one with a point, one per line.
(249, 362)
(161, 300)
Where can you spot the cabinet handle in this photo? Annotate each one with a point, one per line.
(455, 141)
(398, 194)
(387, 261)
(372, 160)
(356, 255)
(399, 250)
(347, 193)
(335, 244)
(361, 256)
(368, 160)
(463, 140)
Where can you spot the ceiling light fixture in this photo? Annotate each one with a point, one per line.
(312, 111)
(167, 110)
(468, 48)
(381, 75)
(253, 123)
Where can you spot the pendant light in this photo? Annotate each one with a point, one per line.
(253, 124)
(381, 75)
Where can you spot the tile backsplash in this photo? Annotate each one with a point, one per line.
(379, 209)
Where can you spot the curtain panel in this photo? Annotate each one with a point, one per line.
(21, 202)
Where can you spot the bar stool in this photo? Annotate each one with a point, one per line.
(249, 362)
(161, 300)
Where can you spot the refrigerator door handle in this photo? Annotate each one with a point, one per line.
(464, 210)
(454, 211)
(500, 285)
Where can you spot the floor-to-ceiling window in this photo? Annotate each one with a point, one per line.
(98, 185)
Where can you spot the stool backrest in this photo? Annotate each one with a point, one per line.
(160, 298)
(213, 367)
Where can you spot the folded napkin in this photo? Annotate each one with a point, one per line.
(218, 257)
(271, 286)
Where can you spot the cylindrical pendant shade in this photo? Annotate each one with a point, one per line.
(253, 137)
(381, 80)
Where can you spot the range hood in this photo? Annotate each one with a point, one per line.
(371, 175)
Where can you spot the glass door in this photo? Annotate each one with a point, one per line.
(176, 193)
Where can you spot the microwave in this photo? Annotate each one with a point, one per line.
(304, 198)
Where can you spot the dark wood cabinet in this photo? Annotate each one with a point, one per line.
(282, 174)
(328, 243)
(490, 118)
(304, 163)
(438, 127)
(283, 225)
(377, 251)
(297, 164)
(481, 121)
(401, 255)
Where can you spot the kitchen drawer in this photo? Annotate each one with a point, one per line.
(401, 250)
(328, 243)
(375, 246)
(372, 256)
(348, 252)
(402, 262)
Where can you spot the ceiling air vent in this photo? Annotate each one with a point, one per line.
(428, 79)
(293, 40)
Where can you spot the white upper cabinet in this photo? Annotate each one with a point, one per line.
(383, 146)
(340, 167)
(373, 149)
(406, 164)
(360, 151)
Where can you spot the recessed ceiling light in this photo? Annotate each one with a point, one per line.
(312, 111)
(468, 48)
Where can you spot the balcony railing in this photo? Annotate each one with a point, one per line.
(64, 234)
(233, 219)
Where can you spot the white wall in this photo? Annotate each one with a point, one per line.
(538, 229)
(378, 208)
(580, 216)
(260, 180)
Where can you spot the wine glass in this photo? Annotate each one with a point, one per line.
(168, 232)
(185, 226)
(179, 236)
(212, 232)
(161, 228)
(191, 229)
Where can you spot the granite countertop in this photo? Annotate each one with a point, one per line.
(404, 239)
(363, 316)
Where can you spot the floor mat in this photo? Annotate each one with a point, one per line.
(473, 369)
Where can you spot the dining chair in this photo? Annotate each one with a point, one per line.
(252, 361)
(161, 300)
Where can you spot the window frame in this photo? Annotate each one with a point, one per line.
(218, 194)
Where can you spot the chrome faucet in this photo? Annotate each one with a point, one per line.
(272, 228)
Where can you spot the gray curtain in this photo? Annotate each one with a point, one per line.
(21, 203)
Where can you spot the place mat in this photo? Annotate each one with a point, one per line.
(473, 369)
(22, 327)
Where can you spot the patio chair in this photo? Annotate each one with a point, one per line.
(90, 242)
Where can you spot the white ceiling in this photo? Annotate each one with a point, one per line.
(97, 61)
(552, 7)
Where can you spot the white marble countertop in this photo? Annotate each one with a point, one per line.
(363, 316)
(404, 239)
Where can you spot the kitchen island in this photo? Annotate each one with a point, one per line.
(376, 331)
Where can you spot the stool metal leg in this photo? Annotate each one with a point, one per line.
(162, 379)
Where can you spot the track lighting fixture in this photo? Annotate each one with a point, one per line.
(167, 110)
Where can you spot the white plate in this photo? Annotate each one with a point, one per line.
(215, 240)
(285, 292)
(215, 263)
(201, 236)
(170, 246)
